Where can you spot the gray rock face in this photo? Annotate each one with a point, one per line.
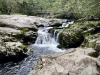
(75, 61)
(20, 21)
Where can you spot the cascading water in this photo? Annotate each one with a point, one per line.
(46, 43)
(67, 24)
(45, 38)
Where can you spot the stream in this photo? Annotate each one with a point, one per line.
(46, 43)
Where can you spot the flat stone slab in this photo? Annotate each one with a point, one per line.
(9, 30)
(21, 21)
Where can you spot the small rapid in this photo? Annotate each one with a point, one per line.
(47, 40)
(46, 43)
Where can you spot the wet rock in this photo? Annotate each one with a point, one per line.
(12, 58)
(59, 46)
(12, 51)
(70, 39)
(30, 37)
(74, 61)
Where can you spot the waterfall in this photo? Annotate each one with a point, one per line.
(44, 38)
(65, 25)
(56, 35)
(48, 40)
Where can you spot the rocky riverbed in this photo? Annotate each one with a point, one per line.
(83, 60)
(18, 31)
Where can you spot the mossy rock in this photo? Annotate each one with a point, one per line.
(29, 39)
(71, 39)
(28, 35)
(25, 29)
(78, 31)
(12, 52)
(91, 44)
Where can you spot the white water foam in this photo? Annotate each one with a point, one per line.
(67, 24)
(46, 39)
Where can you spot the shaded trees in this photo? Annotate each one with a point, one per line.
(7, 6)
(83, 8)
(74, 8)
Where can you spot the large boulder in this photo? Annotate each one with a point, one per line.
(74, 61)
(12, 51)
(75, 34)
(70, 38)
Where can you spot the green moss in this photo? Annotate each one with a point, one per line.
(91, 22)
(76, 33)
(52, 21)
(70, 39)
(24, 48)
(98, 38)
(92, 44)
(90, 36)
(77, 15)
(23, 30)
